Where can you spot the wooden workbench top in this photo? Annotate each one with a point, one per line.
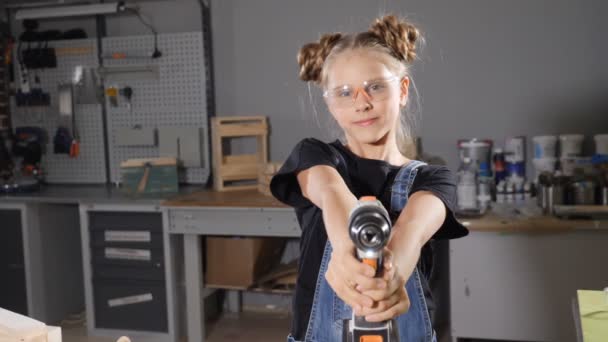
(491, 222)
(240, 199)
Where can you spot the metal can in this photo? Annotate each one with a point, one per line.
(500, 167)
(515, 149)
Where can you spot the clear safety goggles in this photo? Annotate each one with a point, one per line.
(376, 90)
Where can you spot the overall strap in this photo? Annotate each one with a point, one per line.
(403, 183)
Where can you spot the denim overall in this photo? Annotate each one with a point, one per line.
(329, 312)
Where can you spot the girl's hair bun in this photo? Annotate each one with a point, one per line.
(312, 56)
(399, 36)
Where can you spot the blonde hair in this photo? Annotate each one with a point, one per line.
(395, 41)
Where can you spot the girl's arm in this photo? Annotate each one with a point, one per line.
(326, 189)
(420, 219)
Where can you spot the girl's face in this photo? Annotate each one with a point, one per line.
(364, 96)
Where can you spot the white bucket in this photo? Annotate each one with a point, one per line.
(601, 144)
(545, 146)
(544, 165)
(515, 150)
(571, 145)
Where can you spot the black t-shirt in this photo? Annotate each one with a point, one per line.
(364, 177)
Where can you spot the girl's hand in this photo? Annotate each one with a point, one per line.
(390, 301)
(345, 273)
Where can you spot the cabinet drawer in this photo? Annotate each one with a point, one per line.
(130, 221)
(126, 238)
(130, 305)
(136, 257)
(117, 272)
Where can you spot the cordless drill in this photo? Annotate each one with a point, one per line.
(370, 229)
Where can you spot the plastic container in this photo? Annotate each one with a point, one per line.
(484, 192)
(479, 152)
(467, 185)
(515, 149)
(571, 145)
(544, 165)
(545, 146)
(516, 170)
(601, 144)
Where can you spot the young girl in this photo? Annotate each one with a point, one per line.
(365, 82)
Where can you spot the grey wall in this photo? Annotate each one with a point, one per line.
(490, 69)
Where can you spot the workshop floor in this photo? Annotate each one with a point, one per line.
(244, 327)
(247, 326)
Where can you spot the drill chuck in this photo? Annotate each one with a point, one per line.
(369, 228)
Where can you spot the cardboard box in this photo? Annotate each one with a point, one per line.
(240, 262)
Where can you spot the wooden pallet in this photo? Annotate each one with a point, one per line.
(238, 168)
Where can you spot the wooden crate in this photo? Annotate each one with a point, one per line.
(266, 172)
(231, 168)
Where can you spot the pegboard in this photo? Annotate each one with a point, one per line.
(89, 166)
(176, 98)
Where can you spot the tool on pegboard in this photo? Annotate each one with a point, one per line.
(75, 142)
(112, 94)
(66, 142)
(127, 92)
(75, 145)
(62, 142)
(28, 142)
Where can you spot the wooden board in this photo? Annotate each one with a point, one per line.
(238, 199)
(539, 224)
(581, 210)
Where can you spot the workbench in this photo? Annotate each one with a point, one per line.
(511, 278)
(232, 213)
(54, 223)
(515, 278)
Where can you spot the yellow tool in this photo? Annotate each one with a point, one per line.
(112, 94)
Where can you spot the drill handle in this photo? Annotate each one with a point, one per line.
(376, 263)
